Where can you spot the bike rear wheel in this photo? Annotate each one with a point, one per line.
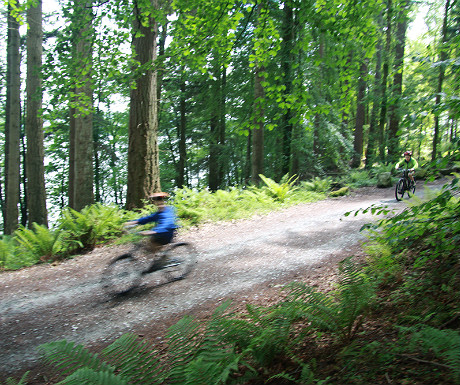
(121, 275)
(181, 259)
(400, 190)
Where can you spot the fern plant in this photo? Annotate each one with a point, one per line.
(40, 242)
(91, 225)
(7, 251)
(21, 381)
(317, 184)
(442, 344)
(279, 191)
(340, 312)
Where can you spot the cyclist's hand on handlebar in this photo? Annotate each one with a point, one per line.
(127, 226)
(147, 232)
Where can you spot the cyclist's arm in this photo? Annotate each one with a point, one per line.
(415, 165)
(398, 165)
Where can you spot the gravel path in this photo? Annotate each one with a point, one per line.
(239, 260)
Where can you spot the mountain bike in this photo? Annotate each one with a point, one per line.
(125, 272)
(404, 185)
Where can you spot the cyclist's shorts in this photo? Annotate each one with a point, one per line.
(163, 238)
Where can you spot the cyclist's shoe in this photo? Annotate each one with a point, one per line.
(159, 264)
(156, 265)
(173, 262)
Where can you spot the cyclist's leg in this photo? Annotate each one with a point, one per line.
(155, 245)
(412, 179)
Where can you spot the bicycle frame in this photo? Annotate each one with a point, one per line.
(404, 184)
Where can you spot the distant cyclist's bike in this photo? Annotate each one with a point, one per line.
(404, 185)
(125, 272)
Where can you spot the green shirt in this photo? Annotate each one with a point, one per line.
(407, 165)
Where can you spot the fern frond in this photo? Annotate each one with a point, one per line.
(184, 340)
(22, 380)
(134, 360)
(209, 358)
(355, 295)
(68, 357)
(86, 376)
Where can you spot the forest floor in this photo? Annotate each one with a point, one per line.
(247, 261)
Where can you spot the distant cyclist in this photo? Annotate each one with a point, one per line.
(166, 222)
(408, 163)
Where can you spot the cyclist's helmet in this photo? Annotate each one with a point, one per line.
(158, 196)
(408, 153)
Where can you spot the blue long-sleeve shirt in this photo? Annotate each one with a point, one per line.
(165, 220)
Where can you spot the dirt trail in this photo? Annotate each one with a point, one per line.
(241, 260)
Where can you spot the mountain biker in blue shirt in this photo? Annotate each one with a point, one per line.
(166, 222)
(408, 163)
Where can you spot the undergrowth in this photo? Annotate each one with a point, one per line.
(393, 319)
(76, 232)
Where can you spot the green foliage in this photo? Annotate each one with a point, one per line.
(317, 184)
(95, 223)
(359, 178)
(7, 251)
(279, 191)
(21, 381)
(379, 168)
(41, 243)
(341, 312)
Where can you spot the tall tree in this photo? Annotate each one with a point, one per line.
(143, 157)
(384, 87)
(442, 58)
(217, 128)
(36, 193)
(373, 137)
(287, 61)
(257, 159)
(13, 125)
(81, 162)
(360, 116)
(398, 66)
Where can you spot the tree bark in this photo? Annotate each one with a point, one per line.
(143, 157)
(257, 160)
(82, 163)
(385, 73)
(395, 107)
(360, 117)
(13, 127)
(442, 59)
(181, 165)
(286, 66)
(373, 139)
(36, 193)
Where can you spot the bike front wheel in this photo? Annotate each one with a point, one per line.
(181, 259)
(400, 190)
(121, 275)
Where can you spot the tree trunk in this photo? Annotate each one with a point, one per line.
(181, 180)
(395, 115)
(442, 59)
(36, 193)
(385, 72)
(82, 191)
(360, 117)
(12, 156)
(257, 160)
(373, 139)
(143, 157)
(286, 66)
